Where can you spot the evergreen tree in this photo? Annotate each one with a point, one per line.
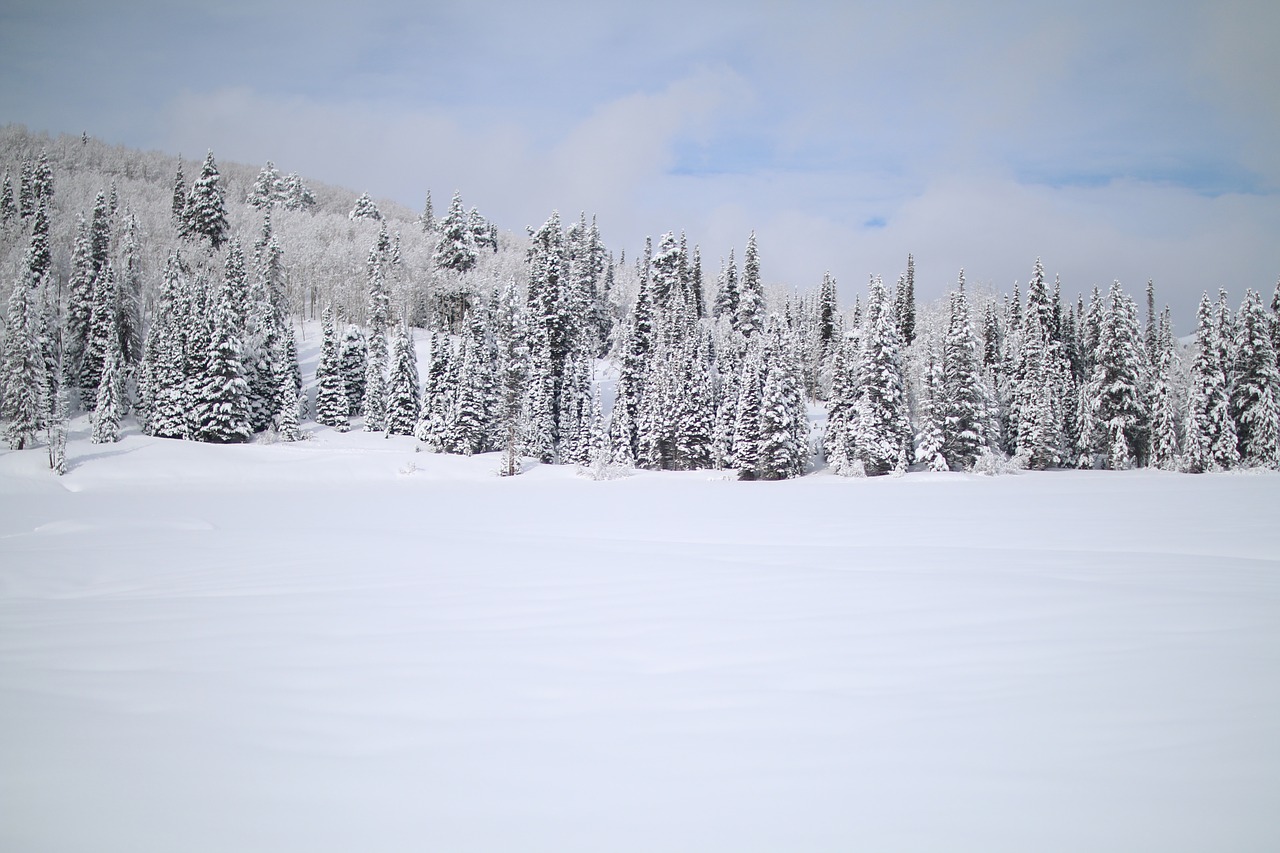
(288, 429)
(1255, 398)
(884, 427)
(129, 294)
(353, 364)
(428, 218)
(402, 387)
(267, 189)
(751, 305)
(42, 180)
(222, 395)
(8, 207)
(907, 311)
(364, 208)
(104, 332)
(295, 195)
(456, 248)
(41, 257)
(1116, 421)
(747, 431)
(374, 401)
(929, 440)
(204, 214)
(1164, 410)
(108, 408)
(1210, 436)
(726, 304)
(331, 396)
(962, 393)
(781, 453)
(25, 381)
(178, 208)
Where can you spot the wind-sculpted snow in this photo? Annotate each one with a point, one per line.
(343, 644)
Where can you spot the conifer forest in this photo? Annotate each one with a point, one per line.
(173, 295)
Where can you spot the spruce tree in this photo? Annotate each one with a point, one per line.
(1255, 399)
(178, 207)
(1116, 414)
(221, 393)
(108, 408)
(364, 208)
(726, 304)
(331, 396)
(25, 388)
(1164, 410)
(751, 303)
(961, 411)
(456, 248)
(929, 439)
(427, 220)
(8, 207)
(402, 386)
(204, 216)
(884, 427)
(288, 427)
(353, 364)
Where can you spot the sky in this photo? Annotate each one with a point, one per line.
(1128, 141)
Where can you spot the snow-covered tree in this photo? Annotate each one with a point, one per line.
(1210, 442)
(456, 248)
(364, 208)
(109, 405)
(402, 386)
(204, 215)
(751, 303)
(25, 388)
(331, 394)
(353, 364)
(1255, 397)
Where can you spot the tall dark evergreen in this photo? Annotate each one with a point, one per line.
(1116, 418)
(1210, 442)
(222, 407)
(353, 364)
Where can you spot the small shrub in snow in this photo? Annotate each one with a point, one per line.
(992, 464)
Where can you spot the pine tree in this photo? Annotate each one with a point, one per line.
(353, 364)
(1164, 410)
(108, 408)
(907, 311)
(267, 189)
(8, 207)
(295, 195)
(25, 387)
(751, 305)
(103, 334)
(129, 293)
(42, 180)
(456, 248)
(1114, 400)
(962, 394)
(288, 428)
(929, 440)
(204, 214)
(726, 304)
(747, 431)
(1255, 399)
(331, 397)
(178, 208)
(402, 387)
(364, 208)
(428, 218)
(781, 455)
(222, 395)
(884, 427)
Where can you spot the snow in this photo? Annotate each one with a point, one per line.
(344, 644)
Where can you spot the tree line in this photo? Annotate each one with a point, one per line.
(709, 374)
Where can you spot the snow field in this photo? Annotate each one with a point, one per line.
(344, 644)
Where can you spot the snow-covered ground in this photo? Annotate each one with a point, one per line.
(345, 645)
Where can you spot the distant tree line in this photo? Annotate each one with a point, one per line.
(179, 308)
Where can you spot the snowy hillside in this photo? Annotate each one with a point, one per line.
(343, 644)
